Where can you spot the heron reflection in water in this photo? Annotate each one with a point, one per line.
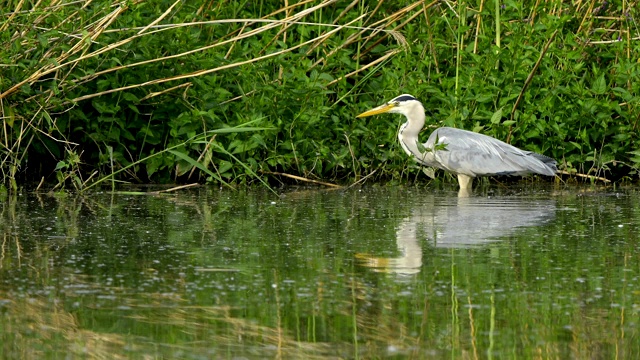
(457, 223)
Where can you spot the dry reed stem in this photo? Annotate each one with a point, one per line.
(107, 20)
(593, 177)
(335, 21)
(160, 18)
(345, 11)
(204, 152)
(238, 97)
(158, 93)
(13, 15)
(287, 10)
(364, 178)
(353, 156)
(388, 21)
(3, 117)
(532, 16)
(208, 71)
(270, 24)
(80, 44)
(375, 10)
(175, 188)
(233, 44)
(355, 37)
(283, 30)
(300, 178)
(376, 61)
(393, 31)
(374, 29)
(478, 25)
(586, 14)
(13, 155)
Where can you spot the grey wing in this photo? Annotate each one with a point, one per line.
(475, 154)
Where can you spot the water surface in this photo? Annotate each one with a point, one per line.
(360, 273)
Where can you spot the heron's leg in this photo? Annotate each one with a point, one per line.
(464, 193)
(465, 181)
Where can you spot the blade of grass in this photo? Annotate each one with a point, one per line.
(169, 149)
(245, 166)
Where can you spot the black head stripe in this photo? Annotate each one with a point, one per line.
(404, 98)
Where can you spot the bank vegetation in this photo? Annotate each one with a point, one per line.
(97, 92)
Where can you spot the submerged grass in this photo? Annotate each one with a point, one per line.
(95, 90)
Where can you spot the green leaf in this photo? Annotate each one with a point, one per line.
(238, 130)
(599, 86)
(60, 165)
(495, 118)
(195, 163)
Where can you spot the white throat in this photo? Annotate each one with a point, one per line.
(409, 131)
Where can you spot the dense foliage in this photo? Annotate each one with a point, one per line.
(234, 92)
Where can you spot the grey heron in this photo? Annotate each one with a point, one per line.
(464, 153)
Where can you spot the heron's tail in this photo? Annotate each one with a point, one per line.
(550, 163)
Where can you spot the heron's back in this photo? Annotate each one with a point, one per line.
(474, 154)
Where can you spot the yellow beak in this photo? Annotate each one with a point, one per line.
(379, 110)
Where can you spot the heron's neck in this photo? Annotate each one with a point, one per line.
(409, 131)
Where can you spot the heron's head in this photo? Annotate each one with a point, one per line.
(402, 104)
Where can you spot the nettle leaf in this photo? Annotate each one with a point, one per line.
(599, 86)
(61, 165)
(495, 118)
(636, 156)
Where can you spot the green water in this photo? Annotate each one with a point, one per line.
(363, 273)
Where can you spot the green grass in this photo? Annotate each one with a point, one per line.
(91, 91)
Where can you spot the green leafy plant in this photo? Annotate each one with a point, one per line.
(121, 84)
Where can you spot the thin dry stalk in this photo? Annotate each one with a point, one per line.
(374, 29)
(79, 45)
(287, 10)
(238, 97)
(387, 22)
(350, 40)
(157, 93)
(376, 61)
(353, 157)
(592, 177)
(5, 123)
(12, 16)
(364, 178)
(208, 71)
(533, 13)
(345, 11)
(270, 24)
(393, 31)
(175, 188)
(300, 178)
(285, 24)
(586, 15)
(604, 42)
(335, 21)
(206, 150)
(233, 44)
(478, 25)
(156, 21)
